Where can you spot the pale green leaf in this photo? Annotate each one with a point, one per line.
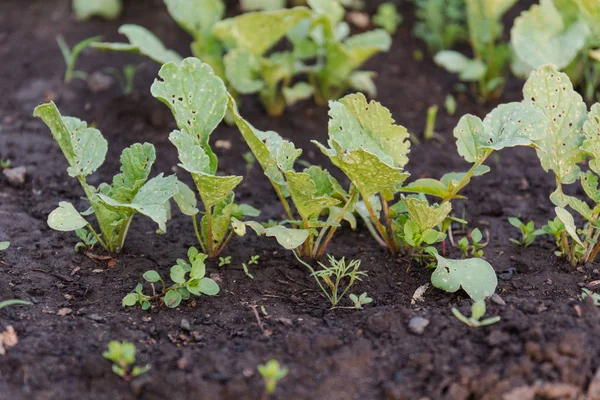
(195, 95)
(83, 147)
(567, 219)
(559, 150)
(214, 189)
(257, 32)
(221, 220)
(424, 215)
(589, 183)
(362, 81)
(136, 162)
(539, 36)
(484, 20)
(108, 9)
(286, 237)
(141, 41)
(209, 287)
(238, 226)
(309, 203)
(262, 5)
(468, 70)
(242, 70)
(474, 275)
(590, 11)
(387, 17)
(4, 245)
(192, 156)
(66, 218)
(186, 199)
(591, 144)
(332, 9)
(300, 91)
(197, 17)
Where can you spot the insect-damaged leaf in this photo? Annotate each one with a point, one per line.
(151, 200)
(305, 194)
(366, 144)
(66, 218)
(141, 41)
(136, 162)
(197, 17)
(257, 32)
(286, 237)
(540, 36)
(83, 147)
(558, 149)
(424, 215)
(186, 199)
(591, 144)
(242, 70)
(508, 125)
(475, 275)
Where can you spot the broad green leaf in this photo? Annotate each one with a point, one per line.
(210, 51)
(192, 156)
(66, 218)
(83, 147)
(326, 184)
(173, 299)
(186, 199)
(238, 226)
(559, 150)
(151, 276)
(300, 91)
(474, 275)
(242, 70)
(508, 125)
(136, 162)
(151, 200)
(286, 237)
(257, 32)
(365, 45)
(539, 36)
(214, 189)
(198, 268)
(177, 274)
(141, 41)
(309, 203)
(332, 9)
(221, 220)
(590, 11)
(426, 216)
(468, 70)
(581, 208)
(591, 144)
(108, 9)
(4, 245)
(130, 300)
(262, 5)
(209, 287)
(195, 95)
(362, 81)
(197, 17)
(567, 219)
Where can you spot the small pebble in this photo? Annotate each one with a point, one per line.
(496, 299)
(593, 285)
(417, 325)
(99, 82)
(16, 176)
(185, 325)
(95, 317)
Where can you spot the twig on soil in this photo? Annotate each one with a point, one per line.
(265, 332)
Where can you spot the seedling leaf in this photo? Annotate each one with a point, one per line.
(474, 275)
(197, 17)
(66, 218)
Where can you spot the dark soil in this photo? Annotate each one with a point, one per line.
(545, 345)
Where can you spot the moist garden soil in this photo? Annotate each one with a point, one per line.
(545, 345)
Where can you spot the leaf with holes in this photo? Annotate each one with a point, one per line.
(474, 275)
(310, 201)
(66, 218)
(197, 17)
(424, 215)
(591, 144)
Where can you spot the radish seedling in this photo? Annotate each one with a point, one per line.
(114, 205)
(528, 232)
(475, 246)
(122, 355)
(224, 261)
(272, 373)
(477, 312)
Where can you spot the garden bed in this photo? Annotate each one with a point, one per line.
(545, 344)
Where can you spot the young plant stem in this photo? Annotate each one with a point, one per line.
(224, 243)
(382, 231)
(465, 180)
(198, 235)
(209, 227)
(320, 250)
(90, 196)
(312, 273)
(123, 234)
(97, 237)
(284, 202)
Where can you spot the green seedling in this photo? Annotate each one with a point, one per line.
(224, 261)
(250, 161)
(4, 245)
(107, 9)
(489, 66)
(359, 301)
(528, 232)
(125, 77)
(565, 34)
(429, 133)
(71, 55)
(88, 240)
(338, 277)
(13, 302)
(198, 100)
(387, 17)
(114, 205)
(189, 279)
(5, 163)
(556, 229)
(440, 23)
(477, 312)
(264, 310)
(122, 355)
(588, 293)
(473, 249)
(247, 271)
(262, 5)
(450, 104)
(254, 260)
(272, 373)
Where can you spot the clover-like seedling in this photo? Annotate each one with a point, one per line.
(474, 247)
(189, 279)
(477, 312)
(387, 17)
(122, 355)
(113, 205)
(224, 261)
(359, 301)
(272, 373)
(88, 240)
(528, 232)
(253, 260)
(71, 55)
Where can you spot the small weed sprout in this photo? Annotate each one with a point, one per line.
(336, 275)
(71, 55)
(588, 293)
(253, 260)
(360, 301)
(387, 17)
(224, 261)
(125, 77)
(4, 245)
(250, 161)
(246, 271)
(474, 248)
(528, 232)
(122, 355)
(188, 277)
(13, 302)
(477, 312)
(272, 373)
(5, 163)
(88, 240)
